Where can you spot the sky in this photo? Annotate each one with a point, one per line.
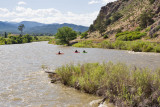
(80, 12)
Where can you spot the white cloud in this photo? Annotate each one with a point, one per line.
(21, 3)
(106, 1)
(48, 16)
(100, 1)
(93, 2)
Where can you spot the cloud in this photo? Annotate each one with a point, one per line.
(21, 3)
(100, 1)
(93, 2)
(49, 15)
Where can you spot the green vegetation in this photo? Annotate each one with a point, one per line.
(22, 39)
(91, 28)
(130, 35)
(20, 28)
(105, 36)
(52, 41)
(116, 16)
(86, 44)
(64, 35)
(151, 1)
(137, 46)
(146, 19)
(84, 35)
(123, 85)
(108, 22)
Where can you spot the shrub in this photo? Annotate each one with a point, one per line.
(84, 35)
(108, 22)
(121, 45)
(106, 44)
(129, 36)
(92, 28)
(105, 36)
(121, 83)
(87, 44)
(148, 29)
(116, 16)
(2, 41)
(151, 1)
(138, 29)
(146, 19)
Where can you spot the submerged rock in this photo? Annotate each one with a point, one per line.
(53, 76)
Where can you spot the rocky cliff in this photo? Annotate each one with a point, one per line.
(127, 15)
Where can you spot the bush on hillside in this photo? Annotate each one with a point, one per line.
(129, 35)
(116, 16)
(146, 19)
(84, 35)
(151, 1)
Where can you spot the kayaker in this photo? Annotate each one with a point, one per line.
(76, 51)
(84, 51)
(59, 52)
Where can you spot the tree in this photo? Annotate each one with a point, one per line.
(20, 28)
(146, 19)
(91, 28)
(84, 35)
(65, 34)
(5, 35)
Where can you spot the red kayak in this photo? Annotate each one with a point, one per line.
(76, 52)
(59, 53)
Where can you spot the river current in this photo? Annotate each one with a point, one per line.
(24, 83)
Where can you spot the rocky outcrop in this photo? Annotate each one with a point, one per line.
(124, 15)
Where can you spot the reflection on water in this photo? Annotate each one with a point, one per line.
(24, 84)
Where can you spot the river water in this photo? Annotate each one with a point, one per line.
(24, 83)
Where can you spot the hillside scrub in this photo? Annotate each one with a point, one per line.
(137, 46)
(130, 35)
(120, 84)
(146, 19)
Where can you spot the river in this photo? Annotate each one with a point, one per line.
(23, 82)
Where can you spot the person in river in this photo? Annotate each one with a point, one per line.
(76, 51)
(59, 52)
(84, 51)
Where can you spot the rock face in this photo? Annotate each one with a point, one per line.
(125, 15)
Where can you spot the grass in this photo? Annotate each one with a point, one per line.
(87, 44)
(123, 85)
(137, 46)
(52, 41)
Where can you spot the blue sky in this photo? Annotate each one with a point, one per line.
(81, 12)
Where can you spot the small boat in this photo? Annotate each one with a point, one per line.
(76, 52)
(59, 53)
(84, 52)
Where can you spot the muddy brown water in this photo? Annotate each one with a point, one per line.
(24, 84)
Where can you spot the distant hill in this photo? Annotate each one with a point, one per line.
(52, 28)
(35, 27)
(7, 27)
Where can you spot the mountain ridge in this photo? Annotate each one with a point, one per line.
(36, 27)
